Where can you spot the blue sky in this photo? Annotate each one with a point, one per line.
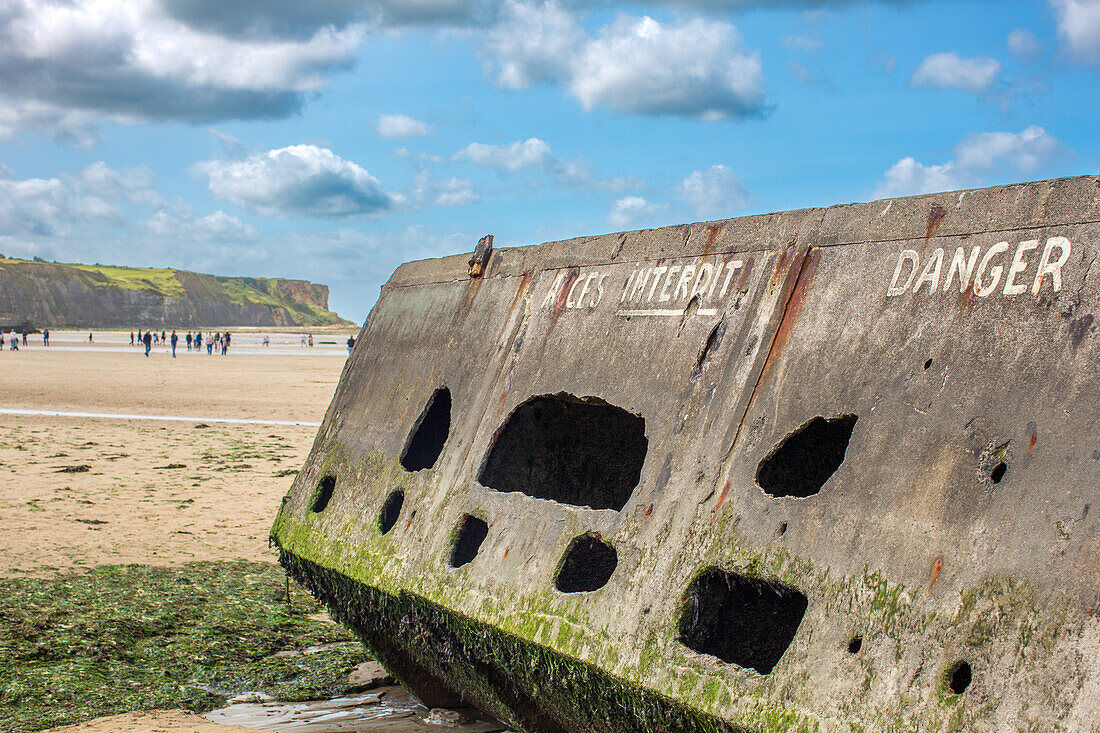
(333, 140)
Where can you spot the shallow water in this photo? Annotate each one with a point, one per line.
(389, 709)
(171, 418)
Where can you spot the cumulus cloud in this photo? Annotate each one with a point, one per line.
(977, 157)
(1079, 28)
(510, 157)
(803, 43)
(180, 222)
(534, 153)
(66, 65)
(401, 126)
(46, 207)
(1023, 44)
(299, 180)
(715, 192)
(635, 65)
(950, 71)
(695, 69)
(631, 211)
(533, 43)
(449, 192)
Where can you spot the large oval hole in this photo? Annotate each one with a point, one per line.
(471, 533)
(579, 451)
(744, 621)
(322, 494)
(588, 565)
(800, 464)
(430, 433)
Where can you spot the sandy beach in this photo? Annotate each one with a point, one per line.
(80, 491)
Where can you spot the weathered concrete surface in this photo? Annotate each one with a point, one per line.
(960, 526)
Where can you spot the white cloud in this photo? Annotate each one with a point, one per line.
(977, 156)
(66, 66)
(715, 192)
(631, 211)
(1079, 28)
(1023, 44)
(803, 43)
(300, 180)
(448, 192)
(47, 207)
(401, 126)
(695, 68)
(180, 223)
(950, 71)
(536, 154)
(533, 43)
(511, 157)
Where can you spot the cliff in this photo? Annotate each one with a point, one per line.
(38, 294)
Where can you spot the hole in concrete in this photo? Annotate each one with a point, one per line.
(782, 529)
(855, 645)
(580, 451)
(803, 461)
(390, 511)
(427, 439)
(743, 621)
(323, 494)
(959, 678)
(927, 365)
(588, 565)
(471, 533)
(998, 472)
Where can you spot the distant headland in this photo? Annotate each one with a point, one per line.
(36, 294)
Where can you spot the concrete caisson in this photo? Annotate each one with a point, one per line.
(833, 469)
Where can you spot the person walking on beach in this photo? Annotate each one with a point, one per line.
(90, 340)
(14, 340)
(132, 337)
(198, 341)
(189, 340)
(267, 341)
(147, 339)
(175, 340)
(351, 343)
(24, 337)
(45, 337)
(1, 339)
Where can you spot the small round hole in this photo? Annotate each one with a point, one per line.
(998, 472)
(323, 494)
(855, 645)
(959, 678)
(390, 511)
(927, 365)
(782, 529)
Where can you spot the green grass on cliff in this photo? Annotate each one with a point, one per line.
(163, 282)
(124, 638)
(267, 292)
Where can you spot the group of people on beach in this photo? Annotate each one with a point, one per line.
(218, 341)
(14, 336)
